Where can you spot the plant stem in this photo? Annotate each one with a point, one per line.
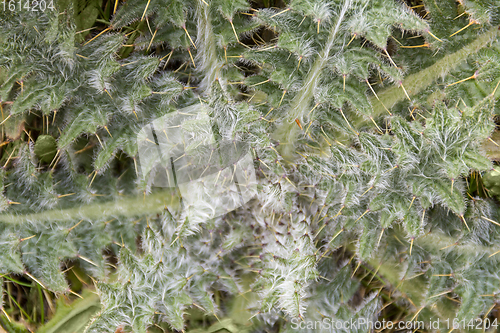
(19, 306)
(288, 131)
(42, 308)
(417, 82)
(210, 64)
(18, 282)
(127, 206)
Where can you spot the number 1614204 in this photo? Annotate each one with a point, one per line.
(27, 5)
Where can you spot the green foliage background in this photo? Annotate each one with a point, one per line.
(370, 125)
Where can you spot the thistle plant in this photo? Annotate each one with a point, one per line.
(363, 121)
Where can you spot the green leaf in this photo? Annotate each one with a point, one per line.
(12, 326)
(476, 161)
(451, 196)
(368, 240)
(86, 12)
(471, 305)
(412, 222)
(9, 257)
(45, 148)
(73, 317)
